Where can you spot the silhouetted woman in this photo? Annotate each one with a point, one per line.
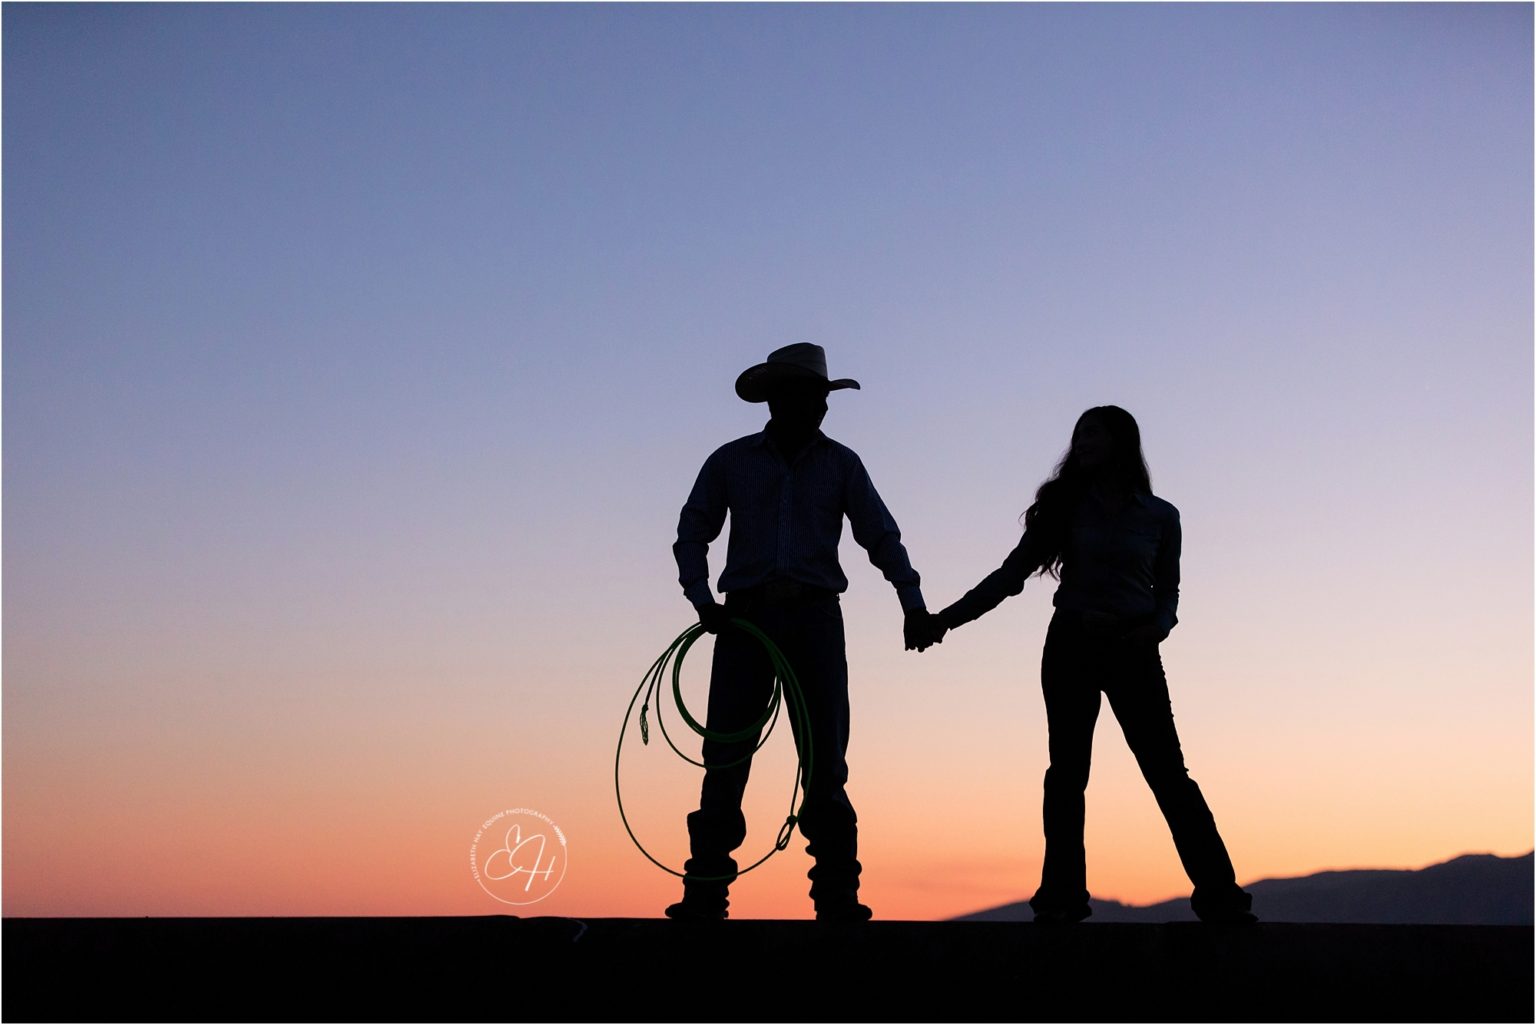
(1096, 525)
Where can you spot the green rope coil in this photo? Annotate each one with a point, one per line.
(783, 679)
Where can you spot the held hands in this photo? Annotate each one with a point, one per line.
(921, 629)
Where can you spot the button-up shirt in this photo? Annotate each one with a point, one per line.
(787, 519)
(1122, 562)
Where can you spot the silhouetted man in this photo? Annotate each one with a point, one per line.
(787, 490)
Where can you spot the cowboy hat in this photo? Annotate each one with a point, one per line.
(802, 361)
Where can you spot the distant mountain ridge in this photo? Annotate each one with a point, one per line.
(1474, 889)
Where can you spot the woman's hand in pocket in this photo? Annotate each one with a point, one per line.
(1144, 636)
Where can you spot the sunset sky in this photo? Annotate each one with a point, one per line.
(358, 360)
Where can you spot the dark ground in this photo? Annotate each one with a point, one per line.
(559, 969)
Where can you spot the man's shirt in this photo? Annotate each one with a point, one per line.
(1123, 563)
(787, 519)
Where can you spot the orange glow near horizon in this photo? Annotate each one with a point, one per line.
(360, 821)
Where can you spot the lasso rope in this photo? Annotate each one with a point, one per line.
(783, 679)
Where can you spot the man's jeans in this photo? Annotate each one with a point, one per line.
(809, 632)
(1083, 658)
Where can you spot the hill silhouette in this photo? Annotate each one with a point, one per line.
(1474, 889)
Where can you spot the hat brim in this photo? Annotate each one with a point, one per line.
(755, 383)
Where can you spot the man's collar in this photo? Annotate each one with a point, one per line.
(763, 437)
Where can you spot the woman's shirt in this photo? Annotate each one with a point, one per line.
(1121, 562)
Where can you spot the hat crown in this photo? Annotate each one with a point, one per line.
(805, 355)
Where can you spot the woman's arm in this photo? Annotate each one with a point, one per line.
(1004, 582)
(1166, 574)
(1165, 584)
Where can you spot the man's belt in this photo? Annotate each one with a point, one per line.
(779, 592)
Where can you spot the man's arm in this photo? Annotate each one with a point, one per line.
(876, 532)
(702, 518)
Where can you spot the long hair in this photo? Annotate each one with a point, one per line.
(1057, 499)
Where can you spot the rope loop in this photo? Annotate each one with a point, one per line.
(784, 682)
